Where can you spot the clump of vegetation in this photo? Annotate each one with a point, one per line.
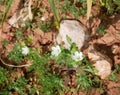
(49, 80)
(3, 75)
(111, 6)
(101, 30)
(113, 76)
(77, 8)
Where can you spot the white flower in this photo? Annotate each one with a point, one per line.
(77, 56)
(42, 18)
(25, 50)
(56, 50)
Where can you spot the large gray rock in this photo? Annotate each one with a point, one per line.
(73, 29)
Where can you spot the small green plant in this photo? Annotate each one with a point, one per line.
(101, 30)
(117, 68)
(84, 82)
(18, 34)
(18, 53)
(50, 81)
(73, 58)
(45, 26)
(113, 76)
(111, 5)
(69, 7)
(27, 24)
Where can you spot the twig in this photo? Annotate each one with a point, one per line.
(19, 66)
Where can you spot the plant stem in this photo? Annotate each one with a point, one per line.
(55, 12)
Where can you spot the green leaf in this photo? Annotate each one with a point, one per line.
(101, 30)
(7, 9)
(113, 76)
(117, 68)
(68, 39)
(55, 12)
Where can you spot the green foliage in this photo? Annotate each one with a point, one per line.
(5, 42)
(117, 68)
(101, 30)
(45, 26)
(113, 76)
(69, 40)
(65, 6)
(19, 86)
(85, 76)
(18, 34)
(3, 76)
(111, 5)
(32, 90)
(69, 7)
(16, 54)
(85, 72)
(51, 84)
(84, 81)
(65, 57)
(88, 67)
(4, 92)
(117, 3)
(27, 23)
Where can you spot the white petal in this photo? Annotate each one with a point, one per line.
(55, 50)
(25, 50)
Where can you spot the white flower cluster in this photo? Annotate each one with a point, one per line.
(77, 56)
(56, 50)
(25, 50)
